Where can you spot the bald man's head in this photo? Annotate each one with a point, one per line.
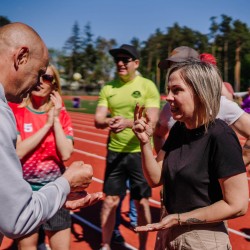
(23, 58)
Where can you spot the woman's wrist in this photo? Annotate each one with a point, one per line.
(179, 219)
(56, 119)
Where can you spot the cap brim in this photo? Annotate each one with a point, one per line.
(164, 64)
(114, 52)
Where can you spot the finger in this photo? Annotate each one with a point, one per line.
(141, 110)
(136, 111)
(148, 118)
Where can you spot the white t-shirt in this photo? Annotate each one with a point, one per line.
(229, 112)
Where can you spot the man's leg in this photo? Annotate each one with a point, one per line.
(116, 236)
(144, 217)
(108, 215)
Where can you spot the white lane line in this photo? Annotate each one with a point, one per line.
(82, 121)
(239, 233)
(88, 223)
(92, 142)
(84, 126)
(89, 154)
(90, 133)
(154, 201)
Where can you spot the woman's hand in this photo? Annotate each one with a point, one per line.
(56, 99)
(142, 125)
(167, 222)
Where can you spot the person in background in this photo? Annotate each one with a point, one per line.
(23, 59)
(227, 89)
(44, 141)
(246, 102)
(230, 112)
(124, 158)
(200, 165)
(132, 214)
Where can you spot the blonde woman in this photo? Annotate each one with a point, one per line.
(45, 140)
(200, 165)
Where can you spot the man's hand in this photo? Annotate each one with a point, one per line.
(118, 124)
(82, 199)
(79, 176)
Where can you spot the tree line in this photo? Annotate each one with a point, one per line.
(228, 40)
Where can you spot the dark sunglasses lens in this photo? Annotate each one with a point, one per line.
(123, 59)
(48, 78)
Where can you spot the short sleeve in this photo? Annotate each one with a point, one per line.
(66, 123)
(226, 153)
(102, 100)
(153, 96)
(229, 111)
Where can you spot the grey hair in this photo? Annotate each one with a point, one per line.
(206, 82)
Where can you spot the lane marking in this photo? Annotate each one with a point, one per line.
(90, 133)
(89, 154)
(239, 233)
(88, 223)
(85, 126)
(92, 142)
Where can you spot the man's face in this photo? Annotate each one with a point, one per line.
(27, 77)
(126, 66)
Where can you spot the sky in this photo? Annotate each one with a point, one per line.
(121, 20)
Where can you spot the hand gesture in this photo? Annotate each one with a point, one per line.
(50, 118)
(166, 222)
(142, 125)
(82, 199)
(56, 99)
(117, 124)
(79, 176)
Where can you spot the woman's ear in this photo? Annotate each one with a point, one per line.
(21, 57)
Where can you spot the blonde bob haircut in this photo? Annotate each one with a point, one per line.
(206, 82)
(56, 85)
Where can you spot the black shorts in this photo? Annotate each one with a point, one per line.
(60, 221)
(119, 168)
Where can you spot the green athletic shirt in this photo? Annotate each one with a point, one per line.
(120, 98)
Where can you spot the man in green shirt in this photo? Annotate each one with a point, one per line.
(119, 97)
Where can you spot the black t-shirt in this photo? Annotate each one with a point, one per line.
(194, 162)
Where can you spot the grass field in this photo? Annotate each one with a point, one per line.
(87, 106)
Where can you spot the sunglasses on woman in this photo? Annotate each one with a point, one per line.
(48, 78)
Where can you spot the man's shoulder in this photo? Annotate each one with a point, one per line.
(144, 80)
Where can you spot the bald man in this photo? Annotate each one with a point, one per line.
(23, 59)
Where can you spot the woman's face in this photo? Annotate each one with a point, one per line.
(182, 99)
(46, 84)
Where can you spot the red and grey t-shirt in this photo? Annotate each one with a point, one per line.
(43, 164)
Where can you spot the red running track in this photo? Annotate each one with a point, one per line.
(90, 146)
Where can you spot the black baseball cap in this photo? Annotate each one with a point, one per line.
(179, 54)
(125, 49)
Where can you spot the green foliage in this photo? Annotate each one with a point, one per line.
(4, 20)
(228, 41)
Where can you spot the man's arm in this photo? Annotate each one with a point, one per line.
(101, 119)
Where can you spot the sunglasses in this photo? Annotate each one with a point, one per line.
(125, 60)
(48, 78)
